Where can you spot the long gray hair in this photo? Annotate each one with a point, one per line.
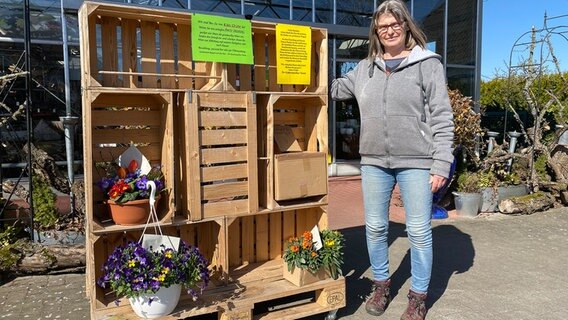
(414, 35)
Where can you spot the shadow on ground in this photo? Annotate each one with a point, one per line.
(453, 253)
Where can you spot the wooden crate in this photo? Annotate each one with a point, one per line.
(112, 121)
(141, 47)
(216, 141)
(207, 236)
(292, 131)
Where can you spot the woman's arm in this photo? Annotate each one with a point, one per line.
(344, 88)
(441, 114)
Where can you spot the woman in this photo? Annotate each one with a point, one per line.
(406, 138)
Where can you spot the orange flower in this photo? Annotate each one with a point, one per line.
(314, 254)
(294, 248)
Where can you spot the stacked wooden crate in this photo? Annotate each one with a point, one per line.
(232, 191)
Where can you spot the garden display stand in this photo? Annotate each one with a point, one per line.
(211, 127)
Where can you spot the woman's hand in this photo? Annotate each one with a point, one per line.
(437, 182)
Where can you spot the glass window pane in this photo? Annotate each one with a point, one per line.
(347, 121)
(357, 13)
(72, 27)
(302, 10)
(462, 79)
(45, 22)
(461, 35)
(276, 9)
(324, 11)
(429, 14)
(351, 48)
(221, 6)
(11, 20)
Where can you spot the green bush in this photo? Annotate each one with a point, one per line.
(45, 213)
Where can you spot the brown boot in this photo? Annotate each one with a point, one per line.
(416, 309)
(379, 299)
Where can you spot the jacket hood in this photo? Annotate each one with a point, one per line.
(417, 54)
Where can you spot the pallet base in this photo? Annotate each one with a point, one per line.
(242, 298)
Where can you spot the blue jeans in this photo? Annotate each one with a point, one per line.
(377, 185)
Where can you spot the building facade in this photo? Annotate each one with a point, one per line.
(453, 29)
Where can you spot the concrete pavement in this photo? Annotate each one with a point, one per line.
(488, 267)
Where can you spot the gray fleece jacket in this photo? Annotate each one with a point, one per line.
(406, 117)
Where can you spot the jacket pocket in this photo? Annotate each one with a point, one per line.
(408, 136)
(372, 137)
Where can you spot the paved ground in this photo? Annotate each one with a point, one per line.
(488, 267)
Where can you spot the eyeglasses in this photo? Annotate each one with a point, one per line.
(396, 27)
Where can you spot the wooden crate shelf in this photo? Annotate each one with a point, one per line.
(211, 127)
(217, 154)
(140, 47)
(292, 149)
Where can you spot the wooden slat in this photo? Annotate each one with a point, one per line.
(222, 119)
(188, 234)
(288, 118)
(301, 224)
(259, 61)
(247, 238)
(167, 55)
(223, 137)
(235, 243)
(252, 157)
(108, 154)
(245, 77)
(228, 100)
(322, 127)
(275, 226)
(227, 208)
(126, 136)
(201, 68)
(225, 190)
(288, 227)
(126, 118)
(129, 52)
(272, 83)
(193, 158)
(109, 50)
(217, 173)
(148, 31)
(184, 56)
(126, 99)
(261, 240)
(310, 132)
(223, 155)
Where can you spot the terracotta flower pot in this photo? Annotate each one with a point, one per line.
(131, 212)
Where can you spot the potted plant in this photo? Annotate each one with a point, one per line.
(467, 198)
(152, 279)
(307, 261)
(128, 194)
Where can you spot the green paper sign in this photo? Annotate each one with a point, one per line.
(221, 39)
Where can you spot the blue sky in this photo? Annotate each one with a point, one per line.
(504, 21)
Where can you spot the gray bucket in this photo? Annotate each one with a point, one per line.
(467, 204)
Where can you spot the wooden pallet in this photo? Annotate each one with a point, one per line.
(261, 294)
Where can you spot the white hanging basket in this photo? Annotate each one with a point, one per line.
(163, 303)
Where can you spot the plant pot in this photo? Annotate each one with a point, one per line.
(163, 302)
(302, 277)
(467, 204)
(511, 191)
(132, 212)
(489, 200)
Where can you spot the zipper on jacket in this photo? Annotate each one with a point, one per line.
(385, 118)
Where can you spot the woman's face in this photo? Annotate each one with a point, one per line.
(391, 33)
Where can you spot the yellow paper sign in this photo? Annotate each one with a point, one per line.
(293, 54)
